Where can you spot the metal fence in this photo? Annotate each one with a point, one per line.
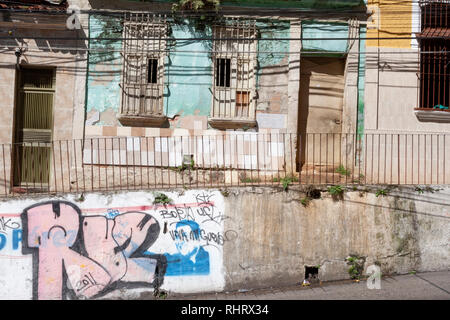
(223, 159)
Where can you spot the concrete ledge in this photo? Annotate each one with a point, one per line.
(231, 123)
(432, 115)
(141, 121)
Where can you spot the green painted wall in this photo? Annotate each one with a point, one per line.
(325, 33)
(272, 52)
(188, 73)
(104, 65)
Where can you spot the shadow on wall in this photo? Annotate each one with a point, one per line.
(320, 100)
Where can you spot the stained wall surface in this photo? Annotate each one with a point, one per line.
(122, 245)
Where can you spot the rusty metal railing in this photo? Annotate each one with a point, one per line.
(225, 159)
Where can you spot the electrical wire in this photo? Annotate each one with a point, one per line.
(111, 49)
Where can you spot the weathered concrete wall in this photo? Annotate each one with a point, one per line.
(105, 244)
(121, 245)
(278, 236)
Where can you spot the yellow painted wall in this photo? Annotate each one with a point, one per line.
(392, 19)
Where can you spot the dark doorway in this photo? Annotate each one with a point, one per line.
(33, 126)
(320, 108)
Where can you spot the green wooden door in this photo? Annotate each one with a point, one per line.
(33, 127)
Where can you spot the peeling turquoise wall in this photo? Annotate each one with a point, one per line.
(188, 74)
(104, 67)
(272, 52)
(325, 33)
(188, 66)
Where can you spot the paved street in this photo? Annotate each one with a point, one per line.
(428, 286)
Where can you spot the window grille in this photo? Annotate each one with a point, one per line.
(143, 68)
(435, 59)
(234, 61)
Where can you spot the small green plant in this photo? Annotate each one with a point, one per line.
(426, 189)
(196, 5)
(412, 272)
(336, 192)
(161, 198)
(342, 171)
(359, 179)
(184, 167)
(81, 198)
(286, 181)
(305, 201)
(381, 192)
(356, 264)
(250, 180)
(335, 189)
(159, 294)
(419, 190)
(225, 192)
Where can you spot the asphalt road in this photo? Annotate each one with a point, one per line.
(423, 286)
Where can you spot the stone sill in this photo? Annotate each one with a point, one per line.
(432, 115)
(141, 121)
(220, 123)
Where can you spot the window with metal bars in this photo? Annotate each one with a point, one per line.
(234, 63)
(143, 70)
(434, 41)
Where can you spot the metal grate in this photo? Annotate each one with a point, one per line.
(228, 159)
(34, 122)
(143, 68)
(234, 61)
(435, 61)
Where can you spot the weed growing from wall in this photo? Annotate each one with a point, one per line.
(286, 181)
(381, 192)
(337, 192)
(356, 264)
(342, 171)
(161, 198)
(305, 201)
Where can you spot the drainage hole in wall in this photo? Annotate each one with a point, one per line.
(314, 194)
(312, 274)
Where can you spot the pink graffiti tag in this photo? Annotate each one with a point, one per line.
(109, 251)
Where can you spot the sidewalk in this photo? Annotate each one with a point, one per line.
(428, 286)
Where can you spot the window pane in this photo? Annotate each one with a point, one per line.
(152, 73)
(223, 72)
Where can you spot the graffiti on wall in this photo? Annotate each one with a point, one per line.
(192, 258)
(93, 253)
(10, 231)
(80, 254)
(194, 228)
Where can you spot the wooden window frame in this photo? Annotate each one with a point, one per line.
(227, 44)
(142, 102)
